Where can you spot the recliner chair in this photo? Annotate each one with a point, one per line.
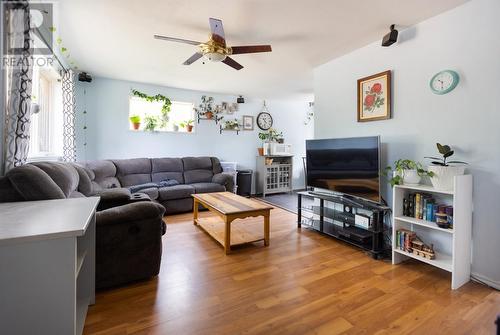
(128, 234)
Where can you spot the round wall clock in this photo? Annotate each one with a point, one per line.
(264, 120)
(444, 82)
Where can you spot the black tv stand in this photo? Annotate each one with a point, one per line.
(334, 214)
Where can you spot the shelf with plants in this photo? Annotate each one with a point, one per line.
(230, 125)
(449, 248)
(207, 111)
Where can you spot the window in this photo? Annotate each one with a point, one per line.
(150, 116)
(46, 128)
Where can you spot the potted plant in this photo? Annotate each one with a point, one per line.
(205, 108)
(151, 122)
(407, 172)
(136, 121)
(175, 127)
(263, 136)
(232, 124)
(275, 136)
(188, 125)
(443, 172)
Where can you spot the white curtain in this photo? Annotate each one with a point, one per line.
(68, 94)
(19, 79)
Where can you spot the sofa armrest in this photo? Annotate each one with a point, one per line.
(225, 179)
(112, 197)
(129, 213)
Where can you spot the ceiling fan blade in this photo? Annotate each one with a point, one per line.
(248, 49)
(232, 63)
(193, 58)
(217, 31)
(173, 39)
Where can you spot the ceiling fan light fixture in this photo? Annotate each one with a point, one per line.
(215, 56)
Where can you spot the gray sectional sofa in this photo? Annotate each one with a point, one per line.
(193, 175)
(128, 232)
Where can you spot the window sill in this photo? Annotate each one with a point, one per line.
(162, 132)
(44, 158)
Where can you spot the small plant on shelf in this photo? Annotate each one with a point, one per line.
(206, 109)
(446, 152)
(272, 135)
(232, 125)
(406, 171)
(444, 173)
(275, 135)
(151, 122)
(188, 125)
(136, 121)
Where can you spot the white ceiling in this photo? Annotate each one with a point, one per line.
(114, 38)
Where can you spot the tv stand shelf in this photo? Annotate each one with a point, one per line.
(328, 216)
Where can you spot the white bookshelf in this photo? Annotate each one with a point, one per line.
(452, 246)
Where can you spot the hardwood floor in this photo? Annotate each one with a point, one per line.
(303, 283)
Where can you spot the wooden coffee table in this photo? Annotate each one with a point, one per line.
(229, 207)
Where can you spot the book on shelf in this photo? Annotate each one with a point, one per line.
(404, 238)
(424, 207)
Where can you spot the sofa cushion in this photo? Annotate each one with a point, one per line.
(152, 192)
(105, 174)
(133, 171)
(208, 187)
(176, 192)
(63, 174)
(216, 167)
(85, 185)
(31, 183)
(197, 169)
(167, 168)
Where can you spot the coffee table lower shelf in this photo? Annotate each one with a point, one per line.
(242, 232)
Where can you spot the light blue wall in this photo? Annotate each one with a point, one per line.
(108, 134)
(464, 39)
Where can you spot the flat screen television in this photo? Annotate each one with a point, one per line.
(345, 165)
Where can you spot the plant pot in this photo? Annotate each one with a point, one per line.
(443, 176)
(136, 125)
(189, 128)
(176, 127)
(411, 177)
(261, 151)
(209, 115)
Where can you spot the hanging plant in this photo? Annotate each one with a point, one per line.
(165, 109)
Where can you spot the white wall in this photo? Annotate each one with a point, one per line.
(108, 134)
(465, 39)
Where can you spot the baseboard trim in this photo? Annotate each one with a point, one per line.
(485, 280)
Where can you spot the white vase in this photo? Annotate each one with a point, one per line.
(411, 177)
(443, 176)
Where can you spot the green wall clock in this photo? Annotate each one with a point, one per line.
(444, 82)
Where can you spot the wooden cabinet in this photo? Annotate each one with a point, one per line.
(47, 262)
(274, 174)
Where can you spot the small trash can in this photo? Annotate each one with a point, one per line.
(244, 182)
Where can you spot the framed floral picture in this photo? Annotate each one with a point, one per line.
(374, 97)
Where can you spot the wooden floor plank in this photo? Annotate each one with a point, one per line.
(304, 283)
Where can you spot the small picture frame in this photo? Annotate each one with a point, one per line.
(247, 122)
(374, 97)
(224, 106)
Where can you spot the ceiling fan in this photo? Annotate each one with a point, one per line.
(215, 49)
